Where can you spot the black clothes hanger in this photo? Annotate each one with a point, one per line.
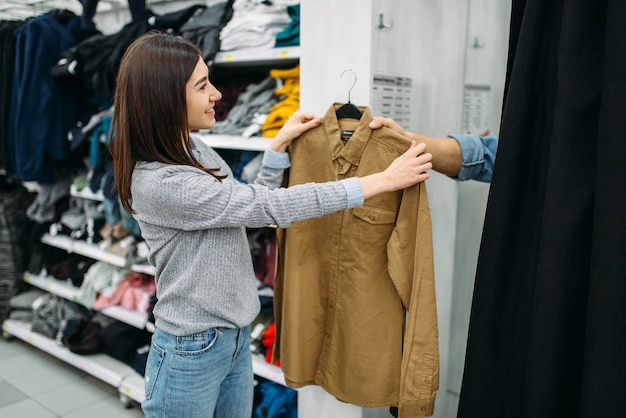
(349, 110)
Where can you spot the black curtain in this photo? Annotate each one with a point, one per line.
(547, 334)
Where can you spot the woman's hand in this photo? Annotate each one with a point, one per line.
(406, 170)
(297, 123)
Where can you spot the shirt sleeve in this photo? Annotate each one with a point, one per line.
(479, 156)
(275, 159)
(354, 191)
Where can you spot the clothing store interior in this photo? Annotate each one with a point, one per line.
(496, 291)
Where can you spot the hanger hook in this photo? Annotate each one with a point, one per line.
(353, 84)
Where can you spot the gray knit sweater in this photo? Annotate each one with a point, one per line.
(195, 225)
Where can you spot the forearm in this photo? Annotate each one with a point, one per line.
(280, 143)
(446, 152)
(383, 182)
(373, 184)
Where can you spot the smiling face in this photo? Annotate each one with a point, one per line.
(201, 96)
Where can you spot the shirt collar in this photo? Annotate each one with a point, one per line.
(352, 149)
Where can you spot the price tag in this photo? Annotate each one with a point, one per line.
(228, 58)
(283, 54)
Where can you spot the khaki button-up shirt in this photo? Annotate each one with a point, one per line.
(354, 292)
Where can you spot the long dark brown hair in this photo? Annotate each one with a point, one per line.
(150, 111)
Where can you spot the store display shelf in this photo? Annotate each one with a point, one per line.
(92, 251)
(139, 320)
(132, 387)
(56, 287)
(268, 371)
(255, 143)
(150, 326)
(101, 366)
(258, 56)
(70, 292)
(134, 318)
(144, 268)
(86, 193)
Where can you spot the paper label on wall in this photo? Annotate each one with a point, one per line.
(476, 109)
(391, 97)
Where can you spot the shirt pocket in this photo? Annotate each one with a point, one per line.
(373, 227)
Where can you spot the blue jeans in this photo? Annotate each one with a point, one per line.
(203, 375)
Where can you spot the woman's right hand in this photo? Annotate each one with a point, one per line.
(296, 125)
(406, 170)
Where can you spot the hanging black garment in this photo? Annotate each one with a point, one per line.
(13, 249)
(96, 59)
(7, 65)
(204, 28)
(547, 336)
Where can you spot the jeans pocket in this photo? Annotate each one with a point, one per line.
(153, 366)
(199, 352)
(196, 344)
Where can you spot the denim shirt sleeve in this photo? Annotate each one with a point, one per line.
(354, 191)
(275, 159)
(479, 156)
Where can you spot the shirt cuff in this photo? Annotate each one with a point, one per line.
(354, 191)
(273, 159)
(473, 155)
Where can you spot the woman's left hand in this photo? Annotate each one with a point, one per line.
(297, 123)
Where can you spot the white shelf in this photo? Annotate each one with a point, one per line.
(101, 366)
(70, 292)
(135, 318)
(83, 248)
(133, 387)
(86, 193)
(255, 143)
(56, 287)
(93, 251)
(150, 327)
(268, 371)
(144, 268)
(256, 56)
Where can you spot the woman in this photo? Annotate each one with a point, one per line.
(193, 215)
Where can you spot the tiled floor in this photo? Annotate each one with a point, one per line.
(34, 384)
